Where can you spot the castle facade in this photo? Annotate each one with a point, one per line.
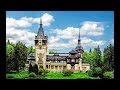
(59, 61)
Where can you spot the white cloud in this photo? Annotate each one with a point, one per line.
(25, 36)
(68, 33)
(87, 42)
(47, 19)
(112, 41)
(53, 39)
(88, 28)
(57, 43)
(11, 22)
(91, 28)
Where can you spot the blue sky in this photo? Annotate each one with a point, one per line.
(62, 28)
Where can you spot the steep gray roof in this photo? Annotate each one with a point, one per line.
(31, 56)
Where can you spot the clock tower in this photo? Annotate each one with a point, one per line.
(41, 47)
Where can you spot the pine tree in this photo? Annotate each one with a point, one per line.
(20, 55)
(99, 62)
(90, 50)
(108, 55)
(10, 52)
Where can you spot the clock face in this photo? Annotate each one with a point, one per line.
(40, 43)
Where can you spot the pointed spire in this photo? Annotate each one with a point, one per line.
(40, 21)
(8, 41)
(79, 38)
(40, 31)
(79, 33)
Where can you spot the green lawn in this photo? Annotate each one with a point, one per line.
(24, 74)
(57, 75)
(21, 75)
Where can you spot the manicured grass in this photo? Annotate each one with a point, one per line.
(57, 75)
(24, 74)
(21, 75)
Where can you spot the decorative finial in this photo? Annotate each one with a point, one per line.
(79, 33)
(79, 41)
(40, 20)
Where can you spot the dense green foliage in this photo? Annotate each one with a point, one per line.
(32, 75)
(10, 61)
(90, 72)
(108, 56)
(20, 55)
(99, 63)
(108, 75)
(33, 68)
(40, 71)
(97, 72)
(30, 68)
(93, 57)
(30, 50)
(16, 56)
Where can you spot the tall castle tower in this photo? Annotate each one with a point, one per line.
(79, 49)
(74, 59)
(41, 47)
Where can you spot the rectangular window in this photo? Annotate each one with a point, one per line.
(56, 67)
(46, 66)
(64, 67)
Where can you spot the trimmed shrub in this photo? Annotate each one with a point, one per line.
(40, 71)
(90, 72)
(46, 71)
(30, 68)
(35, 69)
(67, 72)
(42, 77)
(97, 72)
(32, 75)
(108, 75)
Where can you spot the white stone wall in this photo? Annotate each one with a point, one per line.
(68, 66)
(76, 67)
(85, 67)
(36, 56)
(80, 64)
